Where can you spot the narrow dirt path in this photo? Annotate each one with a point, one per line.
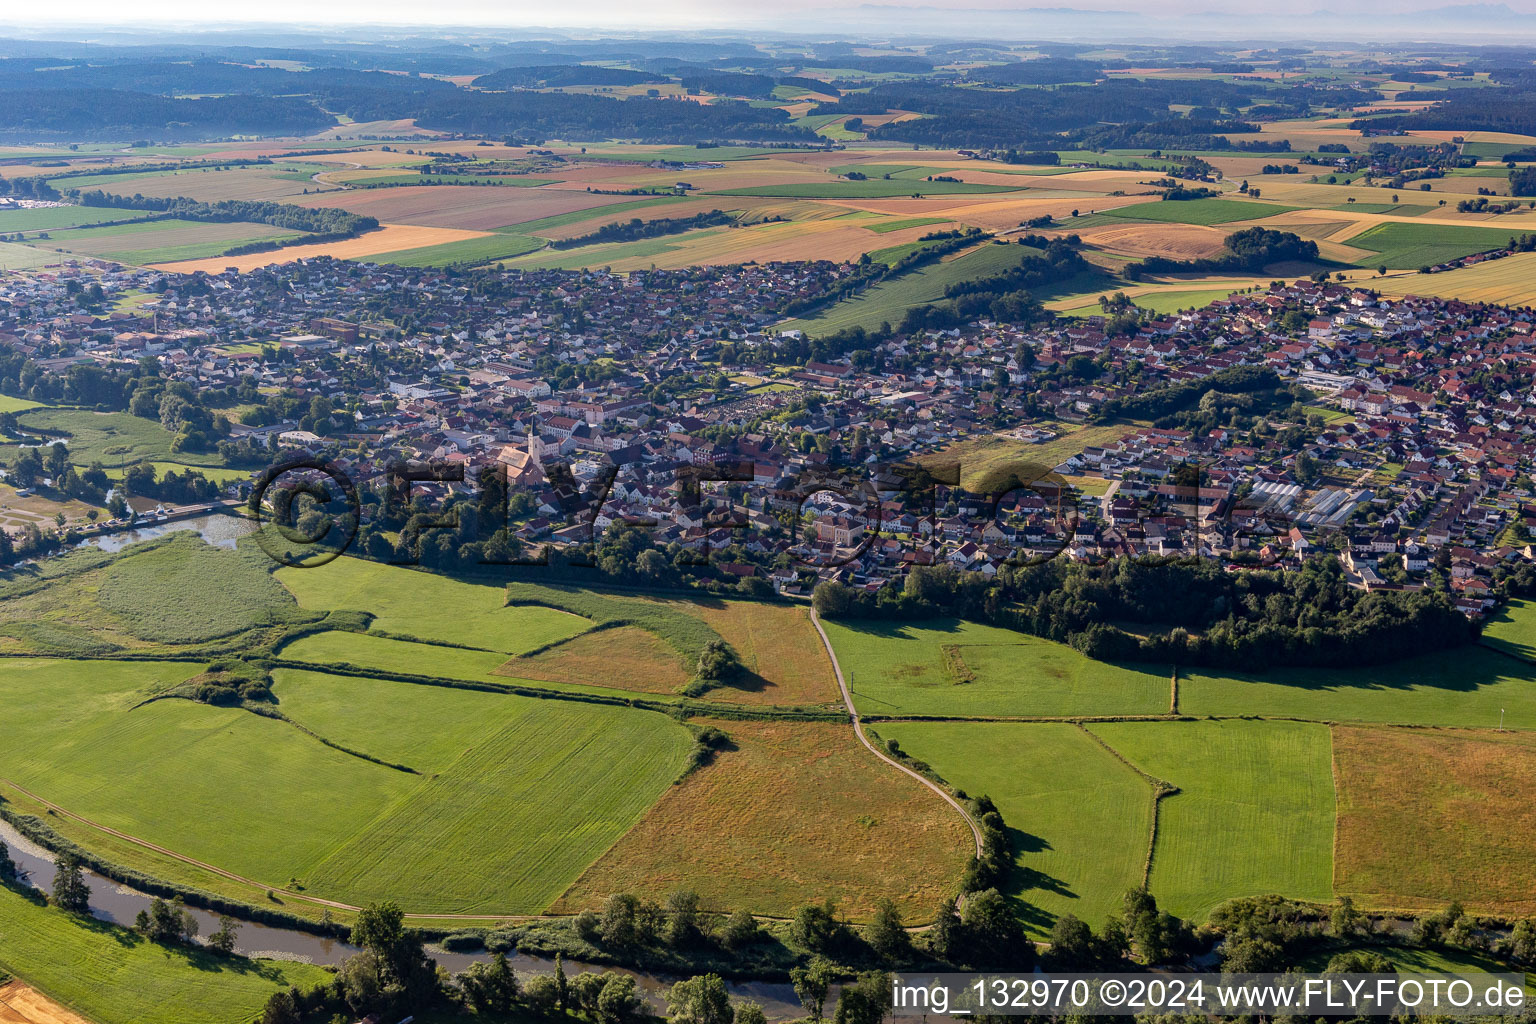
(858, 730)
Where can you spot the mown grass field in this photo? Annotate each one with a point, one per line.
(114, 976)
(793, 812)
(1430, 816)
(627, 657)
(430, 607)
(951, 667)
(48, 218)
(1079, 819)
(1507, 282)
(161, 241)
(1409, 246)
(25, 257)
(1200, 211)
(248, 791)
(1254, 813)
(890, 299)
(468, 831)
(522, 793)
(987, 462)
(1465, 687)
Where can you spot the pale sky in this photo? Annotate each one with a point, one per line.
(597, 16)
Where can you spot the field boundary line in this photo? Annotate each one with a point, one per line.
(858, 730)
(1333, 773)
(1160, 788)
(1173, 705)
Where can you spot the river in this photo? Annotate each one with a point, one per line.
(119, 904)
(217, 529)
(111, 901)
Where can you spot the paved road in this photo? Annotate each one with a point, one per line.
(858, 730)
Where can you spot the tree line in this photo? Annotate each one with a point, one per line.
(636, 229)
(1197, 613)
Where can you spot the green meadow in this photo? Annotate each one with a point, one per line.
(111, 438)
(1199, 211)
(952, 667)
(385, 654)
(1078, 818)
(1465, 687)
(890, 299)
(430, 607)
(500, 246)
(875, 188)
(1409, 246)
(459, 824)
(115, 976)
(1512, 629)
(1254, 813)
(472, 834)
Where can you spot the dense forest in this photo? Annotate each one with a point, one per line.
(556, 75)
(535, 116)
(107, 113)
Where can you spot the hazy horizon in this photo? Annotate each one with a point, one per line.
(99, 18)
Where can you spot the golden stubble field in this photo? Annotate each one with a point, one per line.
(1507, 282)
(795, 812)
(389, 238)
(468, 207)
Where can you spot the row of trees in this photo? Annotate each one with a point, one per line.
(637, 229)
(321, 223)
(1198, 613)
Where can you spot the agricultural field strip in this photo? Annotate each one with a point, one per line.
(858, 729)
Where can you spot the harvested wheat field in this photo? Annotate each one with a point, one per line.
(625, 657)
(793, 812)
(462, 206)
(389, 238)
(1427, 816)
(1178, 241)
(22, 1004)
(1507, 282)
(664, 211)
(833, 239)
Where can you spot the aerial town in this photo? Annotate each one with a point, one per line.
(1412, 452)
